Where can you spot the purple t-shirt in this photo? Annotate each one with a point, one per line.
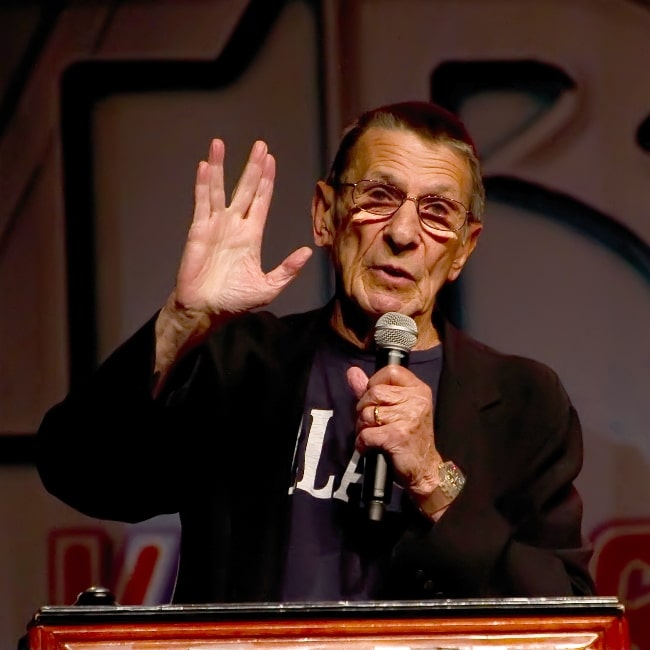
(335, 553)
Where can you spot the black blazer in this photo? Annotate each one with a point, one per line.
(217, 448)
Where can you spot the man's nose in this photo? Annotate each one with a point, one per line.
(404, 226)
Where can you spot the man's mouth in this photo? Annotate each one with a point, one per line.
(393, 272)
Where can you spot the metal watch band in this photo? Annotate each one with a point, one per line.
(451, 483)
(452, 480)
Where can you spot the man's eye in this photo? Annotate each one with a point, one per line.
(379, 194)
(437, 208)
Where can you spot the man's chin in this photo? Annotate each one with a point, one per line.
(381, 304)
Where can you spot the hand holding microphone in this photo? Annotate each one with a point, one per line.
(395, 336)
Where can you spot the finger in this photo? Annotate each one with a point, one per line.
(376, 393)
(357, 381)
(375, 415)
(216, 157)
(246, 187)
(372, 432)
(216, 152)
(261, 202)
(207, 174)
(202, 193)
(288, 269)
(378, 416)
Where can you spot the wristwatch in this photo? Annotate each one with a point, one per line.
(451, 482)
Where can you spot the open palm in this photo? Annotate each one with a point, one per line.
(220, 270)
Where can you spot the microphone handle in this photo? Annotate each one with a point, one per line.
(377, 483)
(391, 357)
(377, 474)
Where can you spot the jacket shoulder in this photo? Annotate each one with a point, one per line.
(464, 350)
(491, 375)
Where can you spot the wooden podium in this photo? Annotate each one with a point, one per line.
(494, 624)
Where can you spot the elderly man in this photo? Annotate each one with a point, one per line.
(256, 429)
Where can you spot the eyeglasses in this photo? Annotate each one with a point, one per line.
(437, 213)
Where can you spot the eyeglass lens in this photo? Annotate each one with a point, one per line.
(436, 212)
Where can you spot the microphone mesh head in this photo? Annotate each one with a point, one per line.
(395, 330)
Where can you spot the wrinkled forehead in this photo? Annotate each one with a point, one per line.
(404, 157)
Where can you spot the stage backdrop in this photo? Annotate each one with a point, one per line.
(107, 108)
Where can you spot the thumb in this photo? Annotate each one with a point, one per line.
(288, 269)
(357, 381)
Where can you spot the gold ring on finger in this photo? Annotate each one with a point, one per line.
(378, 421)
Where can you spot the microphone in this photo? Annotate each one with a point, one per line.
(395, 336)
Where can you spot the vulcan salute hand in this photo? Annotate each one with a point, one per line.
(220, 273)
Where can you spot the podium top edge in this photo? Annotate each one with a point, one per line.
(442, 608)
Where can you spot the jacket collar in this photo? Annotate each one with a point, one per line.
(467, 366)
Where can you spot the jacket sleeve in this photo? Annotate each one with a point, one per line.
(515, 529)
(108, 449)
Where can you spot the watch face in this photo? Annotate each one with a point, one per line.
(451, 478)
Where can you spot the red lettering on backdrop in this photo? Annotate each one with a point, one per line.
(622, 568)
(78, 558)
(136, 587)
(143, 573)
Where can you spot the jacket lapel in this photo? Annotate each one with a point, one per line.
(465, 391)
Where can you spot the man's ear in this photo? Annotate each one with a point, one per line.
(465, 248)
(322, 214)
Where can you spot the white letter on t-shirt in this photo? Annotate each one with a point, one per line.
(313, 449)
(350, 476)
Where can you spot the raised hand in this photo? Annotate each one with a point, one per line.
(220, 273)
(220, 270)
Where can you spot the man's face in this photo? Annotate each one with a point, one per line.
(394, 264)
